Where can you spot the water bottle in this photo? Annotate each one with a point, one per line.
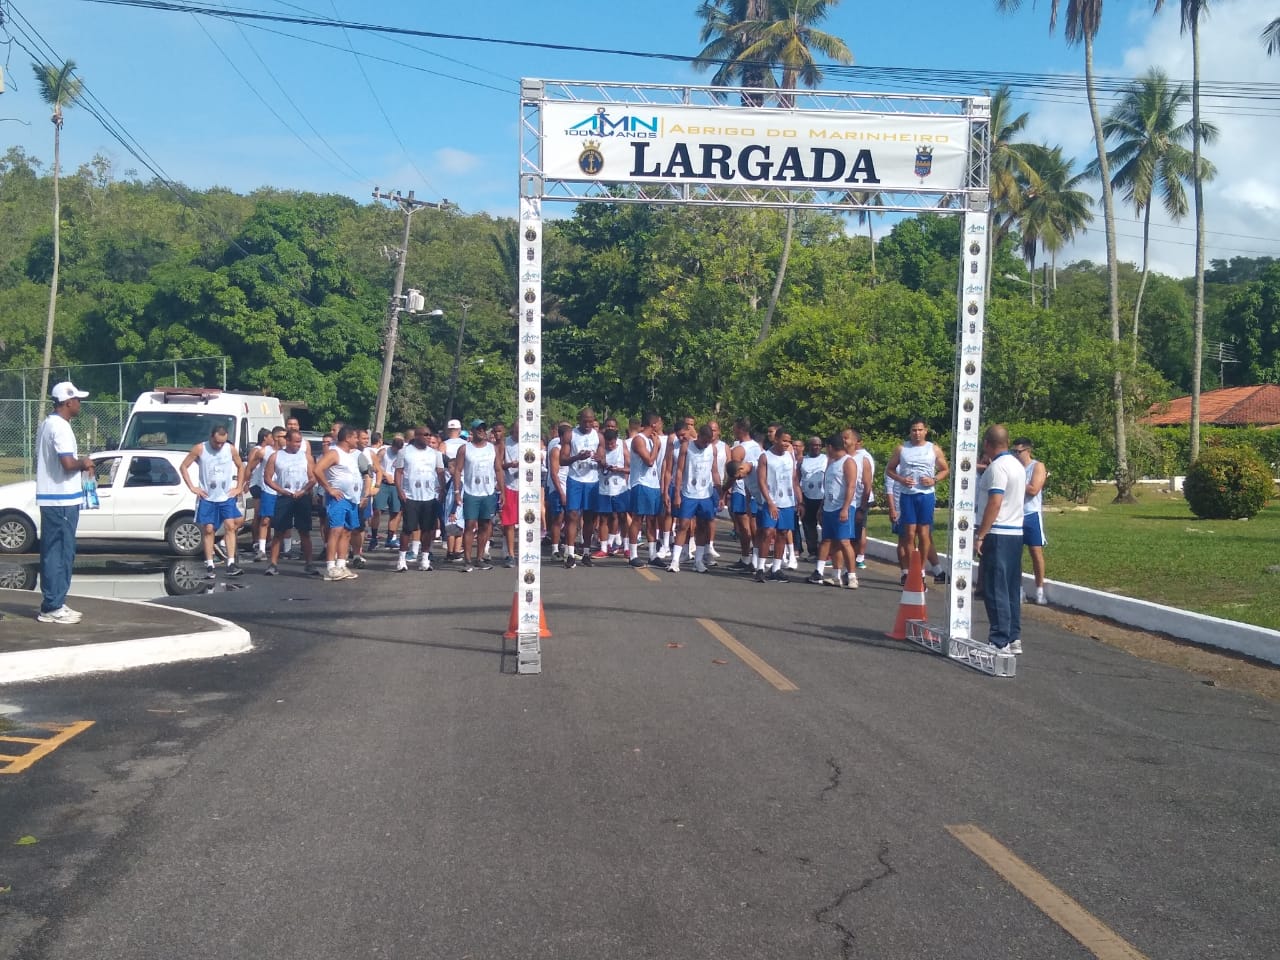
(90, 494)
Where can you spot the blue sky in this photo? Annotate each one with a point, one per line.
(444, 123)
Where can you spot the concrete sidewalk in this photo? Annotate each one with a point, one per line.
(114, 635)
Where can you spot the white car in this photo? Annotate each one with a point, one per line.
(142, 498)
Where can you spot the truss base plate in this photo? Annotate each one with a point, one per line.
(933, 639)
(528, 654)
(983, 657)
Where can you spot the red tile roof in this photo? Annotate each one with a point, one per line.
(1229, 407)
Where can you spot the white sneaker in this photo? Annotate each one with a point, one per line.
(792, 564)
(851, 580)
(348, 573)
(664, 553)
(401, 566)
(425, 564)
(1015, 647)
(1041, 599)
(333, 573)
(63, 615)
(712, 552)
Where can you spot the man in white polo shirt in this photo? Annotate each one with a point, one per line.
(1002, 490)
(59, 492)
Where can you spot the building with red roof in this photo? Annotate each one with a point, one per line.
(1257, 406)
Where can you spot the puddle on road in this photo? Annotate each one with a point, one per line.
(142, 579)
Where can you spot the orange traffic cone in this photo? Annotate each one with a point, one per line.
(513, 620)
(912, 605)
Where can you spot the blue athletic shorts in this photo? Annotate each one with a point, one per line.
(387, 499)
(581, 496)
(342, 513)
(554, 505)
(646, 501)
(917, 508)
(697, 508)
(786, 519)
(214, 513)
(1033, 530)
(833, 529)
(267, 504)
(740, 503)
(607, 504)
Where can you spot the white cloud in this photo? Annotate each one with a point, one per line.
(1242, 203)
(454, 161)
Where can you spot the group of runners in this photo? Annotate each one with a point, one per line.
(608, 491)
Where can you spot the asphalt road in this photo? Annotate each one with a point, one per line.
(373, 781)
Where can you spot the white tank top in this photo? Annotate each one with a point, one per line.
(217, 472)
(917, 462)
(643, 475)
(389, 456)
(478, 476)
(834, 486)
(782, 467)
(587, 470)
(292, 471)
(1033, 504)
(562, 472)
(860, 455)
(421, 481)
(258, 475)
(698, 463)
(344, 476)
(614, 484)
(511, 452)
(751, 455)
(812, 476)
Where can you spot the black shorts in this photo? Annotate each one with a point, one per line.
(292, 513)
(419, 515)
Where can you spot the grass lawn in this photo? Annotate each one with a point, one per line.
(1158, 550)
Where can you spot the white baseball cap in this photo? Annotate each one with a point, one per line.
(453, 425)
(66, 390)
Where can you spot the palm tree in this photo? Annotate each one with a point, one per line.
(1271, 37)
(1053, 209)
(1083, 19)
(724, 35)
(1191, 12)
(780, 32)
(1008, 164)
(59, 89)
(867, 199)
(1151, 157)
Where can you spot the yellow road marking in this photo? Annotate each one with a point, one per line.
(1099, 939)
(747, 656)
(648, 574)
(21, 740)
(61, 734)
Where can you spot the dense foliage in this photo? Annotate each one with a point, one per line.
(647, 307)
(1228, 483)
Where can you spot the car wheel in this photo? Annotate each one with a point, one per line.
(17, 534)
(184, 577)
(184, 537)
(18, 576)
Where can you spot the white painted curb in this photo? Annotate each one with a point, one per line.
(77, 659)
(1258, 642)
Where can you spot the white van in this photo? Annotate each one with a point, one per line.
(177, 418)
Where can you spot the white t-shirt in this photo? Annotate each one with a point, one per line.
(511, 452)
(479, 476)
(421, 481)
(55, 487)
(1006, 476)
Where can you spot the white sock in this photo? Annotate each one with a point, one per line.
(757, 563)
(342, 564)
(653, 549)
(700, 555)
(822, 567)
(331, 564)
(403, 556)
(777, 564)
(633, 552)
(675, 559)
(262, 546)
(755, 558)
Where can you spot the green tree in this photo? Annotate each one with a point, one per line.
(1053, 211)
(1083, 20)
(1271, 37)
(59, 88)
(724, 36)
(1009, 168)
(1150, 157)
(1252, 323)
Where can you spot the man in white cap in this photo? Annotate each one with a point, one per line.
(59, 493)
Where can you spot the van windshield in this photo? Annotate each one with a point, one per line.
(170, 430)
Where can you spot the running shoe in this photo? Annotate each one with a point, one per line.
(401, 566)
(63, 615)
(777, 576)
(210, 572)
(271, 571)
(1014, 648)
(758, 576)
(1041, 599)
(234, 571)
(860, 564)
(638, 562)
(586, 560)
(851, 581)
(599, 555)
(815, 578)
(359, 561)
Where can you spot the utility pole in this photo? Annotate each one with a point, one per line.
(408, 206)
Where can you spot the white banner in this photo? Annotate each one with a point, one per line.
(644, 143)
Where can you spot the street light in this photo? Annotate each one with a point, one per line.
(1030, 283)
(457, 358)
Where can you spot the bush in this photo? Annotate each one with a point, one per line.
(1072, 456)
(1228, 483)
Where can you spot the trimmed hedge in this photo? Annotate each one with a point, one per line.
(1072, 457)
(1167, 450)
(1228, 483)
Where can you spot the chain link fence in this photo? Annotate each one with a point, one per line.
(112, 388)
